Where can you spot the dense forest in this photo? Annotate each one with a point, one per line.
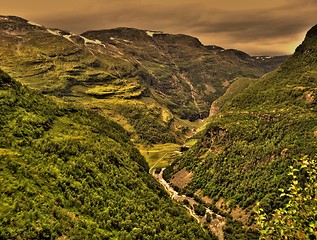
(244, 154)
(71, 174)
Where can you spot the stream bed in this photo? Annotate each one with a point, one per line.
(217, 222)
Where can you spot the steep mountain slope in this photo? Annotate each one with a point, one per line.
(84, 72)
(182, 70)
(144, 80)
(71, 174)
(258, 128)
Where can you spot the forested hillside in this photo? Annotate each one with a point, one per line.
(257, 131)
(68, 173)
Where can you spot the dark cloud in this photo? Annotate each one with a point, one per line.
(259, 27)
(271, 26)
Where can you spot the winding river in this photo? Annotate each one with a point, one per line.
(217, 223)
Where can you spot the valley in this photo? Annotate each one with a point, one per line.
(136, 134)
(154, 85)
(159, 157)
(215, 223)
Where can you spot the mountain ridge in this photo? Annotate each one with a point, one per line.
(175, 73)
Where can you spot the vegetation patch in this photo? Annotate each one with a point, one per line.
(260, 127)
(159, 155)
(71, 173)
(181, 178)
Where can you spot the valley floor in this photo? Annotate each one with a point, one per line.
(159, 156)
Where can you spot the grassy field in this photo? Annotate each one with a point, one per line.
(159, 155)
(162, 154)
(191, 142)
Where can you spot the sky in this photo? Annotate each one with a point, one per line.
(258, 27)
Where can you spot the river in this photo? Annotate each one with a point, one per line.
(217, 223)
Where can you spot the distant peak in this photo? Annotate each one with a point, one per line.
(312, 32)
(151, 33)
(178, 38)
(119, 30)
(17, 23)
(129, 34)
(309, 44)
(238, 53)
(214, 48)
(13, 18)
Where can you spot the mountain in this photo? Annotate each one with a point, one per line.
(69, 173)
(149, 82)
(257, 131)
(182, 69)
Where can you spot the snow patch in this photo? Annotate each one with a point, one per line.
(151, 33)
(100, 43)
(119, 40)
(96, 41)
(58, 33)
(262, 57)
(54, 32)
(86, 40)
(69, 37)
(35, 24)
(179, 152)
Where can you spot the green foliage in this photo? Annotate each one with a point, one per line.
(298, 218)
(199, 209)
(146, 124)
(70, 173)
(244, 154)
(186, 202)
(234, 230)
(208, 218)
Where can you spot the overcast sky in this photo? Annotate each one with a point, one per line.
(258, 27)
